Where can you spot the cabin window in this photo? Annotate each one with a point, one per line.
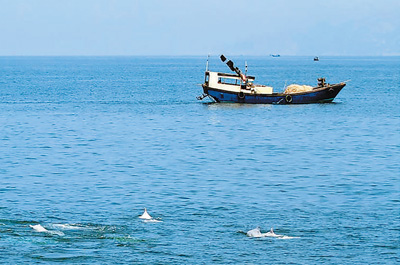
(207, 77)
(228, 81)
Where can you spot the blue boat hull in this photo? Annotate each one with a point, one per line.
(317, 95)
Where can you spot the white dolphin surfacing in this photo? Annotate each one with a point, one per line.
(41, 229)
(254, 232)
(145, 215)
(148, 219)
(257, 233)
(271, 233)
(38, 228)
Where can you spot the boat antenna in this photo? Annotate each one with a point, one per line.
(208, 56)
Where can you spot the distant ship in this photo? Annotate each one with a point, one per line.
(316, 58)
(275, 55)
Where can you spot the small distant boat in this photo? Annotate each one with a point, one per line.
(316, 58)
(239, 88)
(275, 55)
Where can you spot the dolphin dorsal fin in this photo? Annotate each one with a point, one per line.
(145, 215)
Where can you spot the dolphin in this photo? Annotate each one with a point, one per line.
(271, 233)
(38, 228)
(257, 233)
(145, 215)
(254, 232)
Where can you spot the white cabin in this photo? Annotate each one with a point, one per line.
(233, 83)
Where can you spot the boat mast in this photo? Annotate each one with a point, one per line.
(208, 56)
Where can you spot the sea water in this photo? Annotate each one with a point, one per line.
(86, 143)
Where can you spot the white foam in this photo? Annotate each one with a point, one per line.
(288, 237)
(68, 226)
(152, 221)
(58, 233)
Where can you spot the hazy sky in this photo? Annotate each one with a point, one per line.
(185, 27)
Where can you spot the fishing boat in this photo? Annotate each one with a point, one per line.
(238, 87)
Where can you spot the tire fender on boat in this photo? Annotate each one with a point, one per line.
(288, 98)
(241, 95)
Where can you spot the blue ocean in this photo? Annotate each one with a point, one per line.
(87, 143)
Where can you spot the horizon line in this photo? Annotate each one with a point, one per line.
(193, 55)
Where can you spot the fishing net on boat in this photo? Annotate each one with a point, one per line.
(294, 88)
